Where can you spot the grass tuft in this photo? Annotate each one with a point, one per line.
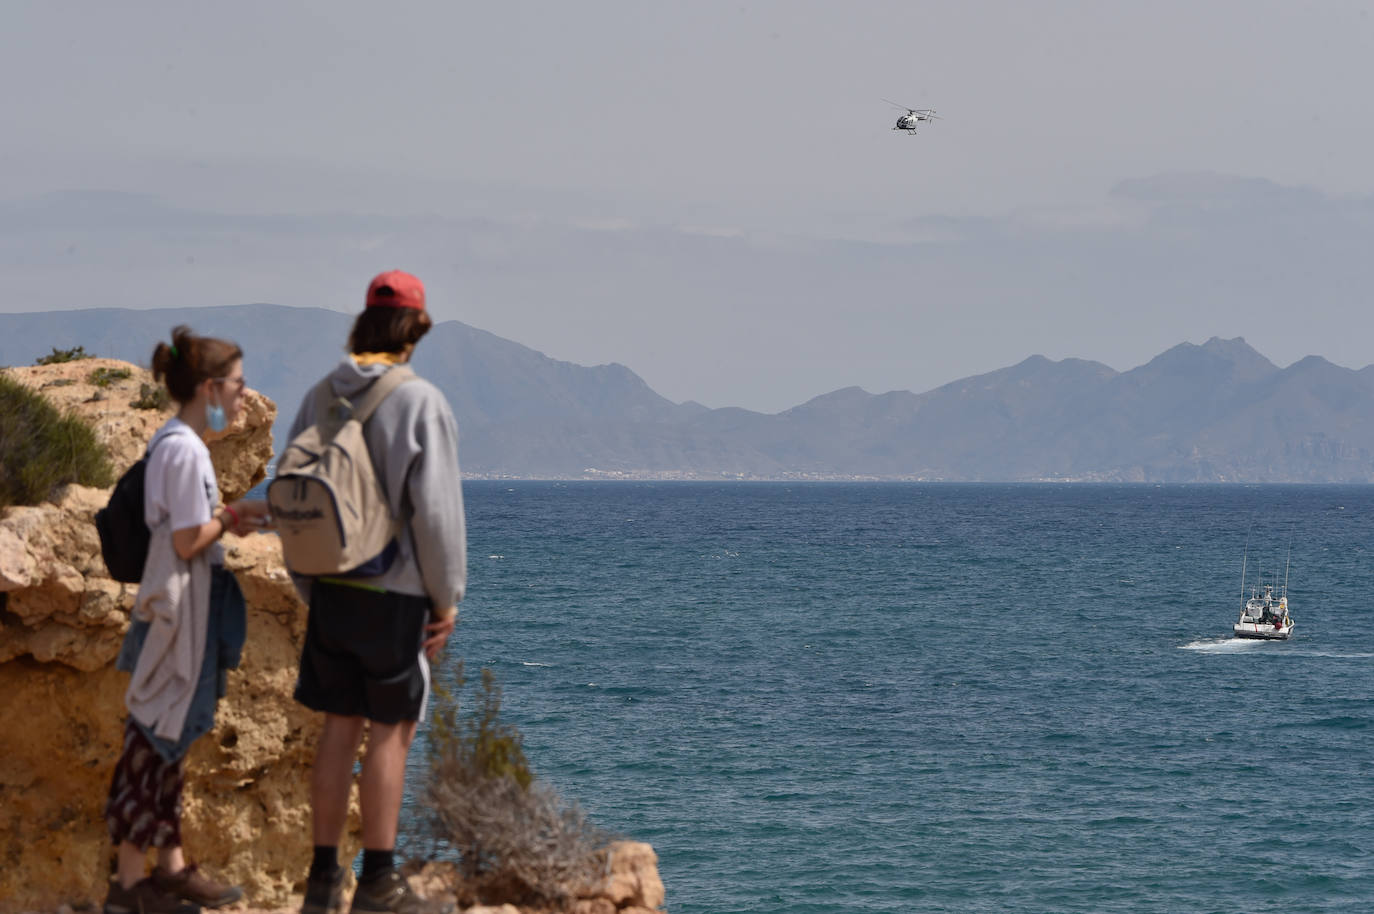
(41, 449)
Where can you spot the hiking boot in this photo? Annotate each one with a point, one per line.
(193, 885)
(386, 892)
(324, 894)
(144, 897)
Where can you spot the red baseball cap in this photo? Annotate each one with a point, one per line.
(396, 289)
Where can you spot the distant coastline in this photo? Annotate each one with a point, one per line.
(1218, 412)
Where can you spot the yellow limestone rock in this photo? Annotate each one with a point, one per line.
(246, 806)
(240, 453)
(634, 881)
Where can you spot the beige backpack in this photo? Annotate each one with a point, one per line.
(327, 503)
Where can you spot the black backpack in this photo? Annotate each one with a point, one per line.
(124, 534)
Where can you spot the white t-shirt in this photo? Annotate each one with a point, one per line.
(180, 482)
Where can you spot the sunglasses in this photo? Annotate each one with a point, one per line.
(239, 383)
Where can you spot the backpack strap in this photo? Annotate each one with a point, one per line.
(361, 408)
(380, 389)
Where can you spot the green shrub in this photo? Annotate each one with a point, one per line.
(152, 396)
(41, 449)
(516, 841)
(64, 355)
(481, 743)
(104, 377)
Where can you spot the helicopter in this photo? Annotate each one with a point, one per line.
(912, 117)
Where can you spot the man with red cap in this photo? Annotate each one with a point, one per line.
(369, 640)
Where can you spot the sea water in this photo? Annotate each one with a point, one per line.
(920, 698)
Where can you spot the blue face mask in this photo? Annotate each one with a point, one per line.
(215, 417)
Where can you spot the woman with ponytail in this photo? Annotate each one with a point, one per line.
(188, 626)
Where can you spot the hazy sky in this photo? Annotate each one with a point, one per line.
(710, 193)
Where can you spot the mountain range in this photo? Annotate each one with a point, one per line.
(1218, 412)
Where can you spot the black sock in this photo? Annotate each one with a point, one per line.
(376, 862)
(326, 861)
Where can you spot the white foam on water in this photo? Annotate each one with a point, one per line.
(1223, 645)
(1236, 645)
(533, 663)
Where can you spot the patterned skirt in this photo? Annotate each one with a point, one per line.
(144, 807)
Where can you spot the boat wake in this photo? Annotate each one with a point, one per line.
(1240, 645)
(1222, 645)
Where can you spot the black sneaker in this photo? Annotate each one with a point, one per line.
(323, 894)
(386, 892)
(145, 898)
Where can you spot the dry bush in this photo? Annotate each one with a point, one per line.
(104, 377)
(152, 396)
(58, 356)
(514, 838)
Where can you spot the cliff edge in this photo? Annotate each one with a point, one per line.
(62, 619)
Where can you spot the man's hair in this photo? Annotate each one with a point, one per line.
(387, 329)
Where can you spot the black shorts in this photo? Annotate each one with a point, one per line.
(362, 654)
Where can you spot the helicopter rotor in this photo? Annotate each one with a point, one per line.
(921, 113)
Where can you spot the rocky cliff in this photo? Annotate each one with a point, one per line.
(246, 804)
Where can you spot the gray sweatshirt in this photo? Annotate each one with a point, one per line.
(412, 439)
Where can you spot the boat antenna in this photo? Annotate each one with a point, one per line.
(1287, 560)
(1244, 557)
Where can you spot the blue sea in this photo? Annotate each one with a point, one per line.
(942, 698)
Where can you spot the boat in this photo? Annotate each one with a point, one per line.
(1265, 615)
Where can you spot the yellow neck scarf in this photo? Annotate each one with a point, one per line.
(363, 359)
